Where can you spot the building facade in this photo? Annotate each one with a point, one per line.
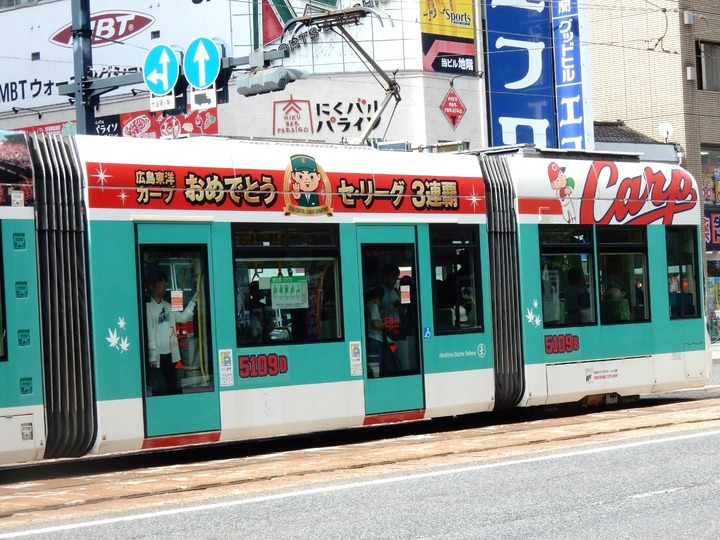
(483, 73)
(433, 57)
(469, 73)
(656, 67)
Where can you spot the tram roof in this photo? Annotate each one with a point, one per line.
(531, 150)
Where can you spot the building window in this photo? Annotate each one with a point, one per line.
(622, 263)
(682, 273)
(7, 4)
(452, 146)
(708, 63)
(455, 255)
(567, 273)
(287, 284)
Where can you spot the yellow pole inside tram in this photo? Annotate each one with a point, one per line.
(201, 322)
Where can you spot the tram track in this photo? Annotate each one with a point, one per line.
(429, 445)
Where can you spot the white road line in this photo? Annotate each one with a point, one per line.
(343, 487)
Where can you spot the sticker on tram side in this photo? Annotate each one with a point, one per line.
(480, 351)
(227, 371)
(592, 374)
(355, 359)
(262, 365)
(561, 343)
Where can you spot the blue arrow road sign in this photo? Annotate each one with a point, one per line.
(161, 70)
(202, 62)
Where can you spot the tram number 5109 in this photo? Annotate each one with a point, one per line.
(262, 365)
(561, 343)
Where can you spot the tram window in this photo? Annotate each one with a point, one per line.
(455, 256)
(554, 236)
(567, 276)
(176, 320)
(287, 284)
(682, 272)
(623, 270)
(286, 236)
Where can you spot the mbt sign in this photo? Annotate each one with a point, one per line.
(108, 27)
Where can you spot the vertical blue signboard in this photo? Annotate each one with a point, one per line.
(571, 114)
(520, 72)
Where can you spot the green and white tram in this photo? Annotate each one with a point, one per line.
(323, 287)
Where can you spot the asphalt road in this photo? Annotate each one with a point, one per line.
(650, 488)
(471, 479)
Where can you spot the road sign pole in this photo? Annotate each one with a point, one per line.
(97, 87)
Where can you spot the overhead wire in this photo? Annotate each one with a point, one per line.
(620, 12)
(126, 68)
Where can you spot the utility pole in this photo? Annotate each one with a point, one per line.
(82, 57)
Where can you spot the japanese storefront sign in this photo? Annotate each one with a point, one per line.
(568, 58)
(520, 73)
(140, 124)
(448, 37)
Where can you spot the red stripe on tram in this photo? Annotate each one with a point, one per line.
(181, 440)
(391, 418)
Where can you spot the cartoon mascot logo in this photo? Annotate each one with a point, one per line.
(307, 188)
(563, 186)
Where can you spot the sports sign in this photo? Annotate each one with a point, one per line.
(448, 37)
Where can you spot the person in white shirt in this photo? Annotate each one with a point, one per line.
(163, 350)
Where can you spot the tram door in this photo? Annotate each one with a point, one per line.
(391, 319)
(178, 378)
